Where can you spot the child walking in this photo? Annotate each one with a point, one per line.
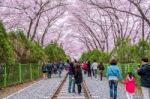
(130, 85)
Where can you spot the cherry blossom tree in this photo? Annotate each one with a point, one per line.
(31, 15)
(102, 22)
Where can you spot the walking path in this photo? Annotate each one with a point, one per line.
(100, 89)
(43, 89)
(65, 95)
(39, 90)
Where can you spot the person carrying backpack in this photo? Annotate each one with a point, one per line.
(101, 69)
(44, 70)
(144, 72)
(49, 70)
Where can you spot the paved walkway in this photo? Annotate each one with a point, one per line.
(39, 90)
(65, 95)
(43, 89)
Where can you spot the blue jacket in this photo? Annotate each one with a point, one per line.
(113, 70)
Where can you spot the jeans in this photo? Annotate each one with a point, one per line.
(59, 72)
(113, 89)
(95, 73)
(71, 84)
(146, 92)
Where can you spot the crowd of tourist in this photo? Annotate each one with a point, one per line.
(53, 68)
(74, 71)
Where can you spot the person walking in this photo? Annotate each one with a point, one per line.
(49, 70)
(101, 69)
(144, 72)
(130, 85)
(55, 68)
(94, 66)
(84, 67)
(44, 70)
(60, 68)
(71, 73)
(113, 74)
(78, 78)
(89, 69)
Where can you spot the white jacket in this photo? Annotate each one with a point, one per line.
(94, 65)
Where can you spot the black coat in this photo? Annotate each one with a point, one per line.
(44, 69)
(78, 77)
(89, 67)
(71, 69)
(49, 67)
(144, 72)
(101, 67)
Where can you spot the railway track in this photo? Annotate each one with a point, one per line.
(61, 91)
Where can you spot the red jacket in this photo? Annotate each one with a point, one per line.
(130, 85)
(84, 67)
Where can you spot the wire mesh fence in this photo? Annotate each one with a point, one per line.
(18, 73)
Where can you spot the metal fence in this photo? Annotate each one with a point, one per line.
(18, 73)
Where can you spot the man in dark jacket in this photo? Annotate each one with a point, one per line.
(144, 72)
(89, 69)
(71, 73)
(60, 68)
(101, 69)
(49, 69)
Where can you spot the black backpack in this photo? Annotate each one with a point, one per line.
(44, 68)
(101, 67)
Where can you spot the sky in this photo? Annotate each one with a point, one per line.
(71, 45)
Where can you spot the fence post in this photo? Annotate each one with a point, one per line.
(5, 76)
(30, 72)
(20, 78)
(129, 68)
(38, 70)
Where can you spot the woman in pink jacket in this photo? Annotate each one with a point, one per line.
(130, 85)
